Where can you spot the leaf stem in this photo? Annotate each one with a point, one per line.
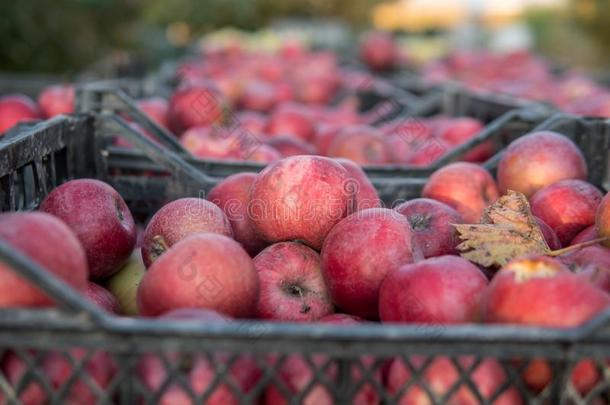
(578, 246)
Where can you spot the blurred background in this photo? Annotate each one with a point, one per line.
(68, 36)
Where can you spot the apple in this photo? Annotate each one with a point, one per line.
(362, 144)
(100, 219)
(102, 298)
(345, 319)
(204, 270)
(179, 219)
(466, 187)
(459, 131)
(198, 371)
(252, 122)
(541, 291)
(232, 195)
(290, 146)
(365, 194)
(379, 51)
(264, 154)
(56, 100)
(567, 206)
(156, 108)
(325, 136)
(48, 242)
(212, 143)
(258, 95)
(602, 219)
(291, 119)
(195, 104)
(587, 234)
(360, 251)
(439, 290)
(299, 198)
(440, 376)
(318, 88)
(58, 370)
(550, 237)
(124, 284)
(427, 152)
(537, 160)
(16, 108)
(291, 284)
(296, 375)
(592, 263)
(432, 224)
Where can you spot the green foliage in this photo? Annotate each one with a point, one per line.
(68, 35)
(61, 34)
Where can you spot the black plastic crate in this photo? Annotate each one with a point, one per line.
(344, 360)
(504, 120)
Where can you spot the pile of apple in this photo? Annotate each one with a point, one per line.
(523, 75)
(308, 240)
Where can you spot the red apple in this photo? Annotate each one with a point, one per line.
(541, 291)
(252, 122)
(365, 194)
(459, 131)
(567, 206)
(439, 290)
(16, 108)
(102, 298)
(198, 370)
(551, 238)
(56, 100)
(358, 253)
(156, 108)
(264, 154)
(591, 263)
(427, 152)
(204, 270)
(291, 284)
(58, 370)
(297, 375)
(195, 104)
(299, 198)
(258, 95)
(467, 187)
(293, 120)
(537, 160)
(345, 319)
(325, 136)
(232, 195)
(205, 142)
(179, 219)
(363, 145)
(48, 242)
(290, 146)
(432, 223)
(585, 235)
(441, 375)
(602, 219)
(379, 51)
(100, 219)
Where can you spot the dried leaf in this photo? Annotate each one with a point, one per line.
(507, 230)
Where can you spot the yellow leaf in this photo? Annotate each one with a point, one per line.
(507, 230)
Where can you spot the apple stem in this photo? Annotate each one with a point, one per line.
(578, 246)
(159, 246)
